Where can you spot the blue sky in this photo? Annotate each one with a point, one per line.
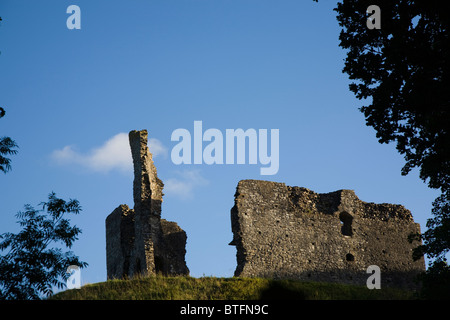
(71, 96)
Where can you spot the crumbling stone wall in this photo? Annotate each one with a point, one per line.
(138, 241)
(292, 232)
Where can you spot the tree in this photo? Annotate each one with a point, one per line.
(7, 146)
(33, 264)
(402, 73)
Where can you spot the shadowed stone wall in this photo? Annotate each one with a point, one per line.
(292, 232)
(138, 241)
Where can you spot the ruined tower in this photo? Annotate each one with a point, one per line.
(292, 232)
(138, 241)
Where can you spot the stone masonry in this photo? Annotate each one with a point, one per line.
(292, 232)
(138, 241)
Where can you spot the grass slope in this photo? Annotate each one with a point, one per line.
(212, 288)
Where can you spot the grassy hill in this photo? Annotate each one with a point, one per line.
(212, 288)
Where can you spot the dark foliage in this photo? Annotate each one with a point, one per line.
(401, 72)
(7, 146)
(34, 264)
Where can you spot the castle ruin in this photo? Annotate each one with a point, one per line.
(279, 231)
(292, 232)
(138, 241)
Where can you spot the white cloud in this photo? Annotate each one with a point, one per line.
(113, 154)
(157, 148)
(183, 186)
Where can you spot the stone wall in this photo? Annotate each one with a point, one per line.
(138, 241)
(292, 232)
(279, 232)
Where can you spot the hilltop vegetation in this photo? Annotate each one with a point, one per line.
(212, 288)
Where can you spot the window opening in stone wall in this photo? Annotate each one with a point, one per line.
(349, 257)
(159, 265)
(346, 223)
(137, 266)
